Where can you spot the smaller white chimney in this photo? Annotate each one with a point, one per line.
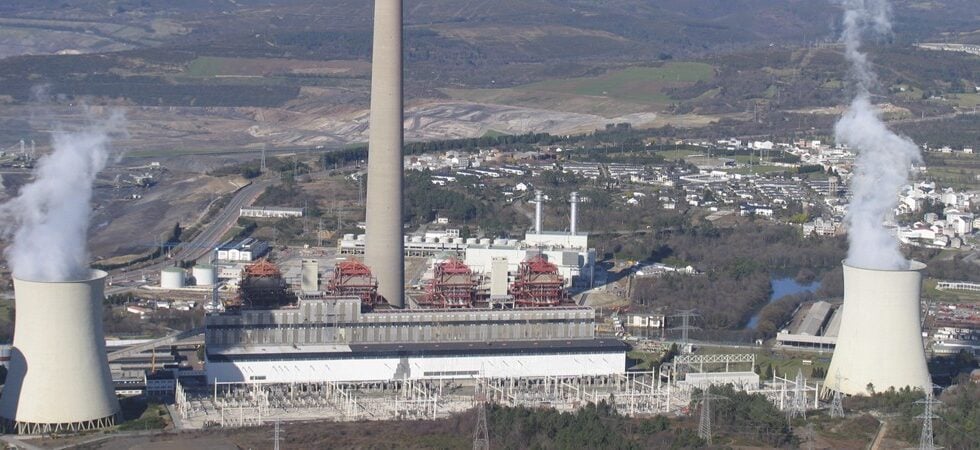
(538, 199)
(574, 201)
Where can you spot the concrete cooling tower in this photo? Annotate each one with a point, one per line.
(880, 338)
(58, 378)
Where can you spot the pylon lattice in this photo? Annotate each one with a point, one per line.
(481, 436)
(926, 441)
(704, 426)
(837, 404)
(797, 407)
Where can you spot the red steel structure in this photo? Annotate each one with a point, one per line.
(538, 283)
(353, 278)
(263, 286)
(452, 286)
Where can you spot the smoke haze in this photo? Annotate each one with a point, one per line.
(884, 158)
(49, 220)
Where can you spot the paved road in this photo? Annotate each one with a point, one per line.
(208, 239)
(203, 243)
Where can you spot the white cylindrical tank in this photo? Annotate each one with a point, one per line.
(204, 275)
(172, 278)
(485, 241)
(471, 241)
(880, 339)
(430, 240)
(58, 377)
(349, 237)
(417, 239)
(360, 237)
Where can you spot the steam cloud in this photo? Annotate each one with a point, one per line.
(884, 158)
(49, 219)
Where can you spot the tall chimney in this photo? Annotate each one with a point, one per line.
(574, 201)
(538, 199)
(383, 249)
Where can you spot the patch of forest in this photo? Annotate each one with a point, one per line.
(737, 266)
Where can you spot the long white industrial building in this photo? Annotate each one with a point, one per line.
(330, 339)
(356, 363)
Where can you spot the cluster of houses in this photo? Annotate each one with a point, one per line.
(713, 184)
(946, 220)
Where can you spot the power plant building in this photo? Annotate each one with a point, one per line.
(58, 334)
(320, 340)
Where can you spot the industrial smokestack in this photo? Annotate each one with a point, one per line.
(880, 340)
(383, 248)
(574, 218)
(538, 199)
(58, 379)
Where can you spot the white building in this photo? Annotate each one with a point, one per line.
(270, 212)
(248, 249)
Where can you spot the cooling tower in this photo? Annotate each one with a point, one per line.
(58, 377)
(383, 249)
(880, 338)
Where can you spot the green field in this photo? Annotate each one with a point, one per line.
(644, 84)
(967, 100)
(930, 292)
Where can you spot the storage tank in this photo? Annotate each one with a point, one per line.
(349, 237)
(880, 338)
(204, 275)
(417, 239)
(360, 237)
(485, 241)
(172, 278)
(430, 240)
(471, 241)
(58, 378)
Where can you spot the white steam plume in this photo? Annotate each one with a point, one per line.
(884, 158)
(49, 219)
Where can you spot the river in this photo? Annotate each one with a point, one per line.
(782, 287)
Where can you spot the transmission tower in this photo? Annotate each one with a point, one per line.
(837, 404)
(704, 426)
(276, 436)
(926, 438)
(686, 327)
(797, 407)
(481, 436)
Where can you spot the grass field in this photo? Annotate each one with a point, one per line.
(967, 100)
(626, 91)
(643, 84)
(930, 292)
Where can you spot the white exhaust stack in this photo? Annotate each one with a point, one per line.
(538, 199)
(58, 379)
(574, 218)
(880, 340)
(383, 248)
